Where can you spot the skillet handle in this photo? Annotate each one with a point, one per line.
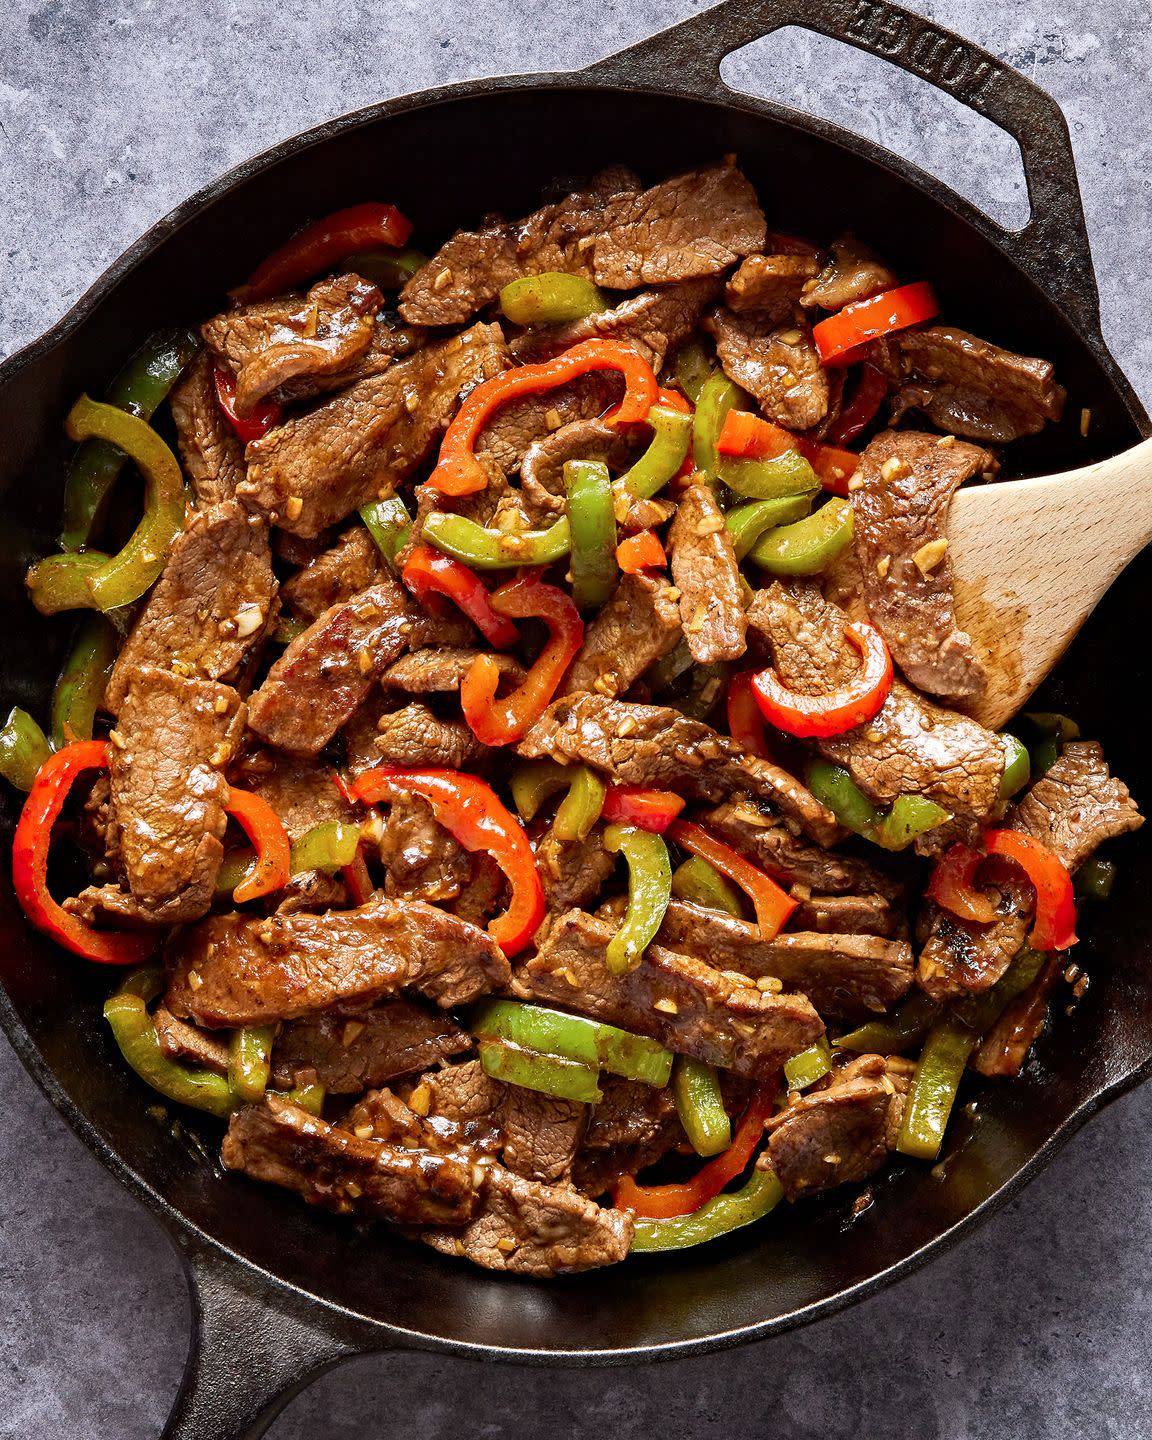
(1052, 248)
(253, 1349)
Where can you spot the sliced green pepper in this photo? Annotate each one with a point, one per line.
(649, 890)
(1095, 878)
(1054, 731)
(667, 671)
(250, 1061)
(329, 846)
(671, 434)
(490, 549)
(1017, 766)
(573, 1037)
(717, 396)
(747, 523)
(550, 298)
(810, 545)
(388, 268)
(808, 1066)
(834, 787)
(390, 525)
(897, 1032)
(234, 870)
(549, 1074)
(23, 749)
(308, 1097)
(139, 389)
(759, 1195)
(580, 809)
(707, 684)
(701, 883)
(535, 782)
(787, 474)
(80, 689)
(592, 519)
(909, 817)
(700, 1106)
(692, 368)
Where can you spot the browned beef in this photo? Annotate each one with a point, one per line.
(905, 485)
(294, 338)
(326, 674)
(854, 273)
(1077, 805)
(656, 746)
(632, 1127)
(211, 606)
(212, 453)
(416, 735)
(1004, 1049)
(443, 667)
(181, 1041)
(770, 285)
(462, 1093)
(696, 224)
(484, 895)
(831, 1137)
(850, 915)
(842, 975)
(334, 576)
(573, 872)
(279, 1143)
(692, 1007)
(541, 1133)
(350, 1053)
(517, 426)
(314, 468)
(959, 956)
(639, 625)
(423, 861)
(969, 387)
(243, 970)
(314, 891)
(776, 364)
(542, 470)
(302, 793)
(707, 574)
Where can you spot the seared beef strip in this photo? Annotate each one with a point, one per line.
(314, 891)
(632, 1127)
(243, 970)
(1004, 1049)
(850, 915)
(314, 468)
(212, 604)
(355, 1052)
(692, 1007)
(831, 1137)
(1076, 805)
(777, 364)
(417, 736)
(905, 485)
(181, 1041)
(639, 625)
(423, 861)
(854, 273)
(707, 574)
(212, 453)
(656, 746)
(770, 285)
(573, 872)
(516, 427)
(443, 667)
(303, 793)
(334, 576)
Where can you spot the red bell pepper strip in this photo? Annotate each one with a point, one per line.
(261, 824)
(839, 339)
(458, 472)
(745, 723)
(428, 573)
(259, 419)
(1055, 924)
(321, 245)
(501, 721)
(674, 400)
(642, 551)
(663, 1202)
(953, 885)
(830, 714)
(652, 810)
(357, 879)
(472, 813)
(861, 410)
(749, 437)
(30, 862)
(773, 906)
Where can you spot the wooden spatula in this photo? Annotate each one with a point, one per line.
(1030, 559)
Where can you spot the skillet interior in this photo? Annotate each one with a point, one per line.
(517, 143)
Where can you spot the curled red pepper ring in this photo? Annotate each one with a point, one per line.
(30, 862)
(840, 710)
(953, 885)
(428, 573)
(745, 723)
(320, 245)
(261, 824)
(473, 814)
(259, 419)
(501, 721)
(861, 410)
(840, 338)
(458, 472)
(773, 906)
(645, 809)
(1055, 924)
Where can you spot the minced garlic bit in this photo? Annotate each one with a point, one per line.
(789, 337)
(790, 378)
(883, 565)
(930, 555)
(1085, 421)
(249, 618)
(893, 468)
(352, 1031)
(443, 279)
(832, 1158)
(352, 1190)
(553, 419)
(856, 482)
(294, 508)
(412, 400)
(117, 739)
(221, 755)
(506, 1244)
(585, 243)
(221, 705)
(770, 984)
(195, 979)
(709, 526)
(363, 1132)
(420, 1101)
(605, 684)
(946, 442)
(889, 1088)
(626, 727)
(668, 1007)
(364, 661)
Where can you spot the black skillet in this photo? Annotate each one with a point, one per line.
(281, 1291)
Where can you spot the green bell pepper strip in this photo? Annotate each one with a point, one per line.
(701, 883)
(1054, 730)
(580, 809)
(784, 475)
(692, 369)
(23, 749)
(390, 525)
(707, 684)
(139, 389)
(329, 846)
(80, 688)
(388, 268)
(668, 670)
(308, 1097)
(534, 783)
(250, 1061)
(671, 435)
(592, 518)
(810, 545)
(808, 1066)
(548, 1074)
(747, 523)
(897, 1032)
(716, 397)
(649, 890)
(1095, 878)
(234, 870)
(759, 1195)
(834, 788)
(483, 548)
(700, 1106)
(123, 577)
(550, 298)
(1017, 766)
(573, 1037)
(909, 817)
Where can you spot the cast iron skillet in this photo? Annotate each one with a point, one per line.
(282, 1291)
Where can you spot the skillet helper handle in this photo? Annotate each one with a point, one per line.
(253, 1350)
(1052, 248)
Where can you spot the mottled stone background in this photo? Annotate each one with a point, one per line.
(112, 111)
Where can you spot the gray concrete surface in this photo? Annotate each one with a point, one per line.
(111, 111)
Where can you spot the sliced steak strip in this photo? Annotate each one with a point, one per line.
(706, 571)
(639, 625)
(334, 576)
(350, 1053)
(656, 746)
(632, 1127)
(573, 872)
(770, 285)
(843, 975)
(542, 469)
(211, 606)
(416, 735)
(517, 426)
(1076, 805)
(212, 453)
(854, 273)
(960, 956)
(833, 1137)
(181, 1041)
(713, 1015)
(776, 364)
(240, 970)
(302, 793)
(442, 668)
(423, 861)
(905, 485)
(279, 1143)
(541, 1133)
(1003, 1051)
(315, 468)
(850, 915)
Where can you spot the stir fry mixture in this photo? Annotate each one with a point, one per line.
(522, 756)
